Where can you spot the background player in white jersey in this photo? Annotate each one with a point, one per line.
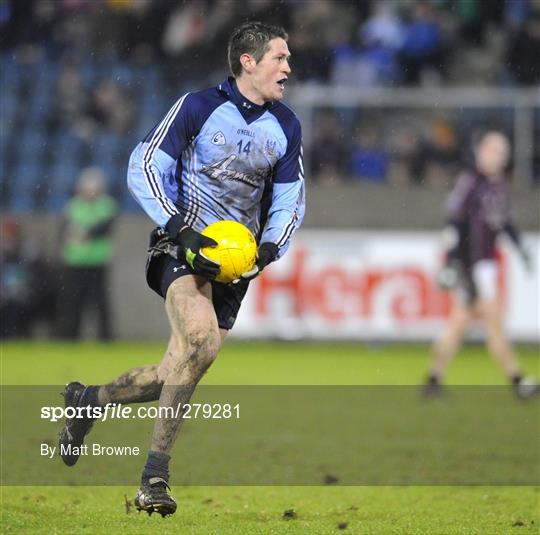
(478, 211)
(228, 152)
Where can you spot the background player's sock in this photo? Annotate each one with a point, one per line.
(433, 379)
(157, 465)
(432, 387)
(516, 379)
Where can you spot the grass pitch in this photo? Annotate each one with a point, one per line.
(239, 510)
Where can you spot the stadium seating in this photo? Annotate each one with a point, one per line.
(42, 156)
(24, 182)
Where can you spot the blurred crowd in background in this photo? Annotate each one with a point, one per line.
(84, 80)
(350, 42)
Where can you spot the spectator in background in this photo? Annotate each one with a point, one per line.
(71, 99)
(328, 149)
(185, 28)
(430, 159)
(26, 288)
(111, 108)
(368, 159)
(523, 58)
(440, 154)
(311, 58)
(86, 253)
(516, 13)
(381, 38)
(422, 50)
(383, 26)
(405, 165)
(321, 35)
(347, 69)
(30, 27)
(375, 66)
(471, 21)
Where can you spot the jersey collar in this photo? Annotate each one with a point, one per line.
(249, 110)
(482, 176)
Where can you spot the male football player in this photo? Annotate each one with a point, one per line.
(231, 152)
(478, 211)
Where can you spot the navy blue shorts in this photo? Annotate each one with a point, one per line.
(163, 270)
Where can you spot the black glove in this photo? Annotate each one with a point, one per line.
(267, 253)
(191, 243)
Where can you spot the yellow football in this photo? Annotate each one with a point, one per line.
(236, 250)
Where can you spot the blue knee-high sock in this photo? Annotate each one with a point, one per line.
(157, 465)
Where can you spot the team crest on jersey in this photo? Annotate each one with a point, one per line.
(270, 148)
(218, 139)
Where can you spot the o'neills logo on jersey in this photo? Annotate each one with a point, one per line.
(218, 139)
(220, 171)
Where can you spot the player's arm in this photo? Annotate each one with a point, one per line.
(458, 207)
(287, 206)
(454, 231)
(452, 238)
(512, 231)
(152, 163)
(154, 159)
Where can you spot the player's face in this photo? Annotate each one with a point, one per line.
(492, 154)
(271, 72)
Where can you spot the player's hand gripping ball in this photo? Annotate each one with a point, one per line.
(236, 249)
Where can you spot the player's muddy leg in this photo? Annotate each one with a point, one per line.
(172, 356)
(198, 339)
(498, 345)
(446, 347)
(138, 384)
(194, 324)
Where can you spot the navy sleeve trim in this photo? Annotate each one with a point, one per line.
(290, 167)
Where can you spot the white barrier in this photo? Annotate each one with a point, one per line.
(374, 285)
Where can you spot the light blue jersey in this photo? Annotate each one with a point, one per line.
(216, 156)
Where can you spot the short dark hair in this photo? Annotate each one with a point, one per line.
(251, 38)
